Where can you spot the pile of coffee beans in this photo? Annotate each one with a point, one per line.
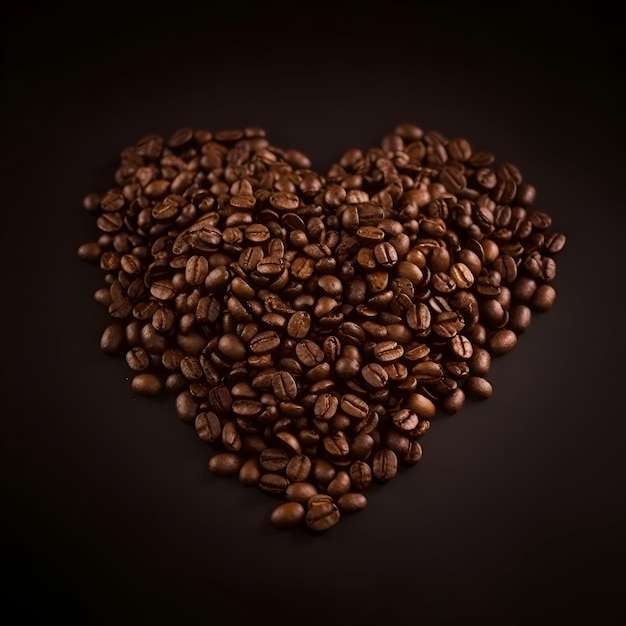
(312, 326)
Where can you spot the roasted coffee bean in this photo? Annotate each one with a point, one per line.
(502, 342)
(146, 384)
(265, 341)
(326, 406)
(452, 402)
(339, 485)
(360, 475)
(137, 359)
(309, 353)
(300, 492)
(298, 468)
(323, 471)
(250, 473)
(480, 362)
(478, 387)
(287, 514)
(284, 386)
(387, 351)
(520, 318)
(354, 406)
(375, 375)
(405, 420)
(208, 427)
(352, 502)
(385, 465)
(543, 298)
(273, 484)
(322, 515)
(225, 464)
(112, 338)
(274, 459)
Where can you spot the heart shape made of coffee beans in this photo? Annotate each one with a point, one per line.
(311, 326)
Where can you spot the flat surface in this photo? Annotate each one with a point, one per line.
(516, 515)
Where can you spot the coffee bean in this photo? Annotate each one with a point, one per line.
(421, 405)
(322, 515)
(478, 387)
(309, 353)
(452, 402)
(352, 502)
(146, 384)
(480, 362)
(375, 375)
(265, 341)
(387, 351)
(354, 406)
(502, 342)
(543, 298)
(225, 464)
(208, 427)
(273, 459)
(326, 406)
(323, 471)
(137, 359)
(298, 468)
(287, 514)
(274, 484)
(360, 475)
(112, 339)
(385, 465)
(520, 318)
(404, 419)
(339, 485)
(250, 473)
(289, 441)
(300, 492)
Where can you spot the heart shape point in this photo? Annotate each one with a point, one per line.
(312, 326)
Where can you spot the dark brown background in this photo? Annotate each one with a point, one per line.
(516, 514)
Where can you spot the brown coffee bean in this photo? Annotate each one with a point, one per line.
(300, 492)
(250, 473)
(453, 402)
(274, 484)
(322, 515)
(289, 441)
(323, 471)
(225, 464)
(274, 459)
(354, 406)
(309, 353)
(137, 359)
(339, 485)
(360, 475)
(208, 427)
(336, 445)
(326, 406)
(543, 298)
(284, 386)
(520, 318)
(385, 465)
(265, 341)
(502, 342)
(298, 468)
(351, 502)
(404, 419)
(375, 375)
(421, 406)
(387, 351)
(112, 339)
(287, 514)
(478, 387)
(146, 384)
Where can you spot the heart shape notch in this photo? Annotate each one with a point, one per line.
(312, 326)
